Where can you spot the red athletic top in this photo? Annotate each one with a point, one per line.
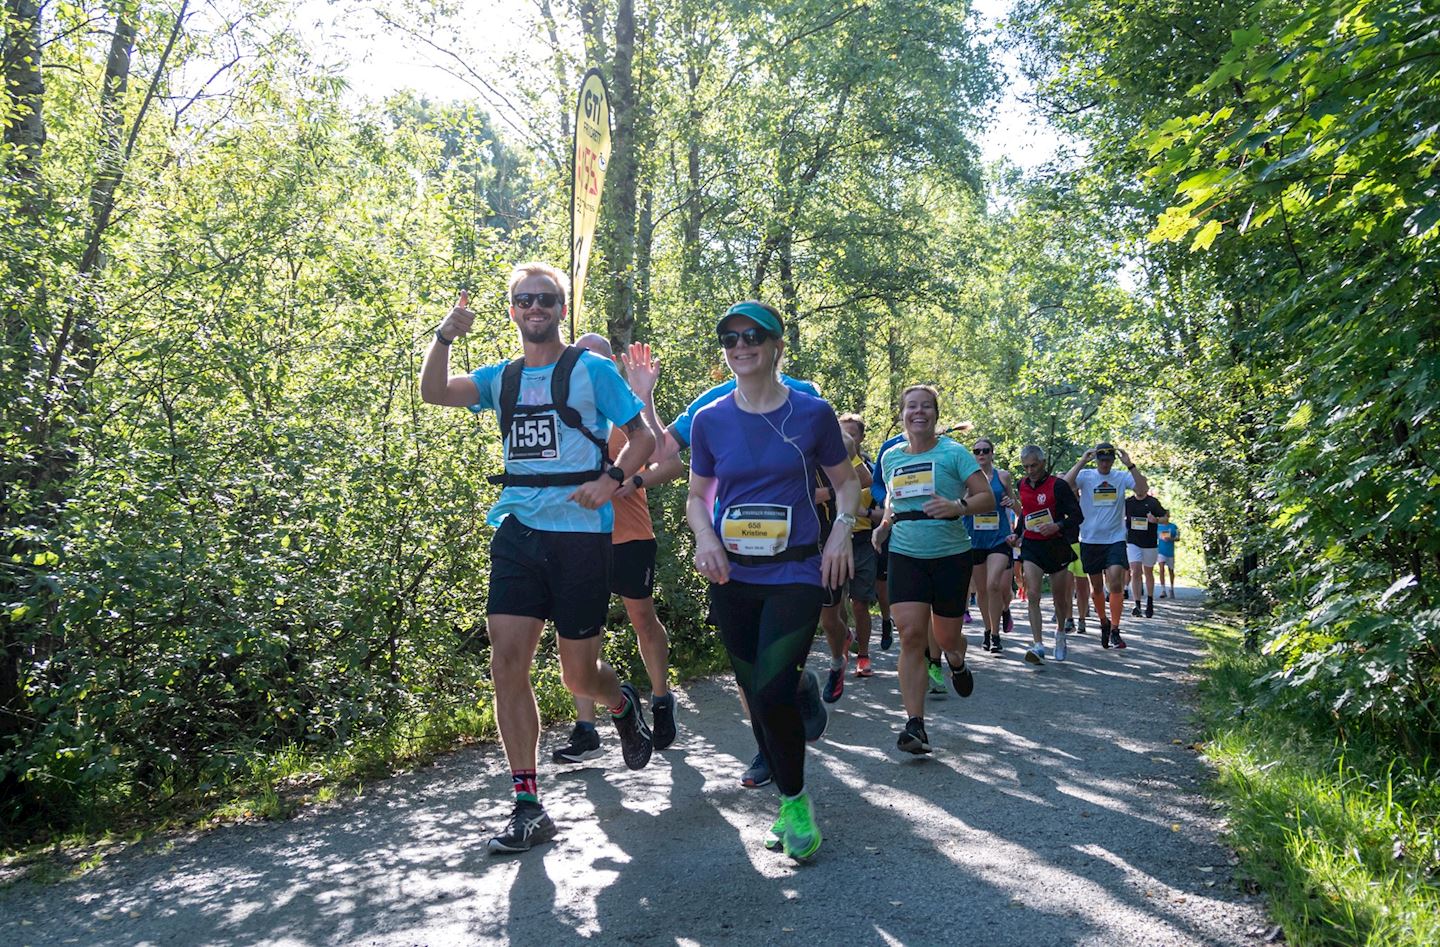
(1038, 505)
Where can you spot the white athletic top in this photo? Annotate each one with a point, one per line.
(1102, 500)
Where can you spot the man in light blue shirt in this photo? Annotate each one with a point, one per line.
(550, 556)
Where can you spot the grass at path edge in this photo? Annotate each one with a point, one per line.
(1343, 837)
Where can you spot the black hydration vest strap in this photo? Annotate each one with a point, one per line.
(560, 404)
(544, 480)
(792, 554)
(912, 515)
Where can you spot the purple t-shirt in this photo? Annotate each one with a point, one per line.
(764, 467)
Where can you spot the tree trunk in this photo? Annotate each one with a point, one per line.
(558, 62)
(111, 164)
(621, 180)
(690, 232)
(644, 246)
(25, 130)
(25, 134)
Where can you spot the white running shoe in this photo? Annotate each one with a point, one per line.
(1061, 650)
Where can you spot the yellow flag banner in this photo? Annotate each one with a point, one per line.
(591, 156)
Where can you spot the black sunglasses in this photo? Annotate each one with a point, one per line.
(753, 336)
(983, 450)
(543, 300)
(1105, 455)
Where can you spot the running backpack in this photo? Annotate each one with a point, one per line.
(560, 404)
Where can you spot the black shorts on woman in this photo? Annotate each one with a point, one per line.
(943, 583)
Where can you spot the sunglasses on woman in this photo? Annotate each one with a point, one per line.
(543, 300)
(753, 336)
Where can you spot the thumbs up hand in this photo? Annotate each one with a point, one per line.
(460, 320)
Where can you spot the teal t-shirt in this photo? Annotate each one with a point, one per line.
(911, 480)
(601, 396)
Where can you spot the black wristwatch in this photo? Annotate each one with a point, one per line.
(616, 474)
(638, 481)
(441, 339)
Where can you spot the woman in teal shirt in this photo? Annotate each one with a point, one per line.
(929, 550)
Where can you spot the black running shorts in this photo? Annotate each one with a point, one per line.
(1097, 557)
(981, 557)
(564, 577)
(1051, 555)
(943, 583)
(632, 574)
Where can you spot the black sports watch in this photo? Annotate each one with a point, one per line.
(616, 474)
(441, 339)
(638, 481)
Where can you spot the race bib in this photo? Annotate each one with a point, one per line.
(1033, 521)
(534, 437)
(1139, 523)
(1106, 495)
(913, 480)
(986, 521)
(756, 529)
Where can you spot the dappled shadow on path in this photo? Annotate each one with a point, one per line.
(1058, 808)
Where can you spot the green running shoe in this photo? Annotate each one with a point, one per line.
(774, 839)
(801, 836)
(937, 682)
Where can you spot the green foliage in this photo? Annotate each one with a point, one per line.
(235, 544)
(1284, 172)
(1341, 835)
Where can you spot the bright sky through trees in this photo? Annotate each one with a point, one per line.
(377, 62)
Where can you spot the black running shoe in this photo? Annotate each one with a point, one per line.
(812, 711)
(662, 718)
(1136, 611)
(635, 740)
(529, 826)
(1007, 623)
(986, 643)
(997, 646)
(758, 774)
(963, 680)
(1069, 626)
(834, 685)
(584, 745)
(887, 634)
(914, 739)
(1104, 633)
(1149, 607)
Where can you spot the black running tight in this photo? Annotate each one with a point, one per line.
(767, 630)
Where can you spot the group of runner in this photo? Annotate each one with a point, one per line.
(790, 519)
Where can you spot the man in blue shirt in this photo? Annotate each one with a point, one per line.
(550, 556)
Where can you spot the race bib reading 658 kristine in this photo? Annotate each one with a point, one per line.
(756, 529)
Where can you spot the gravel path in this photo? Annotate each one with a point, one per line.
(1062, 806)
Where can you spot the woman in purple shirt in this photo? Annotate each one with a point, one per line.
(758, 539)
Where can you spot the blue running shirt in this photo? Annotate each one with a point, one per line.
(681, 425)
(601, 396)
(993, 526)
(754, 467)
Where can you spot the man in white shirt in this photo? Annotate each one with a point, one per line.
(1102, 533)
